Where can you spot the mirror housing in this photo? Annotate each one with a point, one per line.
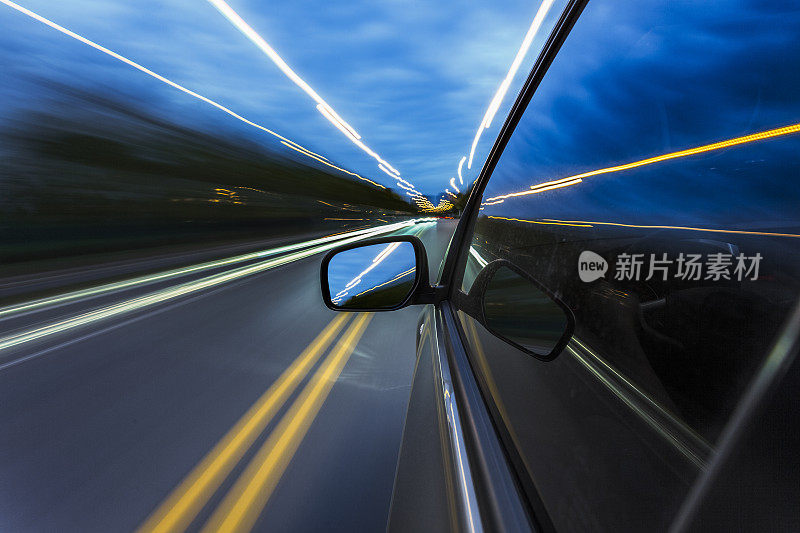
(519, 310)
(354, 261)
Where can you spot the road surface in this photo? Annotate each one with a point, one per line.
(238, 403)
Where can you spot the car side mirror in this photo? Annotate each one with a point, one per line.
(520, 310)
(381, 274)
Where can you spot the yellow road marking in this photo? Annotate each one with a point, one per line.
(187, 499)
(244, 503)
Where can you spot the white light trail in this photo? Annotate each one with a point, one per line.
(389, 172)
(481, 261)
(460, 165)
(494, 105)
(162, 295)
(453, 184)
(55, 301)
(145, 70)
(386, 252)
(401, 180)
(322, 106)
(326, 112)
(251, 34)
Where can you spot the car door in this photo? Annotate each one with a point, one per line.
(651, 185)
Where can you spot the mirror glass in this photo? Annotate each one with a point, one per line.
(517, 310)
(375, 276)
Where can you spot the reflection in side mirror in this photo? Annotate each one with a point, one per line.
(517, 310)
(371, 276)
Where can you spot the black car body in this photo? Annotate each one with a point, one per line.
(659, 133)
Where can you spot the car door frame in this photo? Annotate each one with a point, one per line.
(477, 472)
(484, 491)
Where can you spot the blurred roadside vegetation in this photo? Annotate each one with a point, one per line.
(86, 173)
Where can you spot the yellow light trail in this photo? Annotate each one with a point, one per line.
(736, 141)
(326, 162)
(591, 223)
(183, 504)
(581, 225)
(686, 228)
(241, 507)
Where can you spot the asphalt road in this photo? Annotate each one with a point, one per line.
(239, 404)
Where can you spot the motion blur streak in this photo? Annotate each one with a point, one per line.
(101, 289)
(481, 261)
(356, 280)
(251, 34)
(182, 505)
(324, 161)
(322, 106)
(494, 105)
(551, 223)
(397, 277)
(141, 68)
(687, 228)
(174, 292)
(243, 504)
(736, 141)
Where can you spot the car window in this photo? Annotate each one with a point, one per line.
(652, 186)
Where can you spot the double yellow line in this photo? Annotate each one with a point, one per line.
(245, 501)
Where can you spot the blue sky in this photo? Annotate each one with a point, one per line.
(413, 78)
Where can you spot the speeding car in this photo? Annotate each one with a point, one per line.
(611, 341)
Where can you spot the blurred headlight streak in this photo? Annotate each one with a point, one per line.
(481, 261)
(684, 228)
(389, 172)
(542, 222)
(160, 78)
(322, 106)
(460, 166)
(383, 254)
(574, 180)
(396, 278)
(453, 184)
(183, 289)
(544, 8)
(143, 280)
(312, 155)
(251, 34)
